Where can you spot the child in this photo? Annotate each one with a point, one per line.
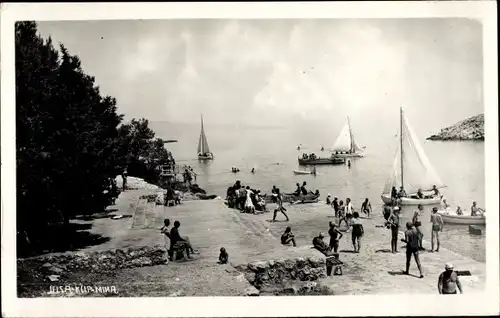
(223, 256)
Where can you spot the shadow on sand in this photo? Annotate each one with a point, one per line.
(401, 273)
(384, 250)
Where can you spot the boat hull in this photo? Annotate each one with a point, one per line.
(462, 219)
(302, 172)
(289, 198)
(322, 161)
(349, 155)
(410, 201)
(209, 157)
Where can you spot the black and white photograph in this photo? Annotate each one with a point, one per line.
(223, 155)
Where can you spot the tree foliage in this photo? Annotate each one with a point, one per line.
(70, 140)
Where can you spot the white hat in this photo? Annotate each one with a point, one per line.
(449, 266)
(396, 208)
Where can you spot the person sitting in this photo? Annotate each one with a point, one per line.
(402, 192)
(459, 211)
(177, 197)
(420, 195)
(261, 203)
(288, 237)
(329, 199)
(180, 243)
(394, 194)
(445, 205)
(303, 189)
(297, 192)
(223, 256)
(320, 245)
(475, 210)
(436, 191)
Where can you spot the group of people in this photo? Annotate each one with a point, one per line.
(245, 199)
(301, 190)
(474, 209)
(177, 242)
(397, 195)
(172, 197)
(189, 175)
(345, 212)
(310, 156)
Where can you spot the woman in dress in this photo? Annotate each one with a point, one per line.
(249, 207)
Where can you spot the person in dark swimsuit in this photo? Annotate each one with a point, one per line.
(297, 192)
(335, 236)
(357, 231)
(303, 189)
(223, 256)
(274, 195)
(288, 237)
(411, 240)
(394, 194)
(320, 245)
(335, 205)
(366, 207)
(393, 222)
(417, 223)
(448, 281)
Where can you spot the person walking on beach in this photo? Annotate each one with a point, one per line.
(342, 214)
(437, 226)
(448, 281)
(280, 207)
(417, 223)
(357, 232)
(287, 237)
(335, 236)
(411, 240)
(393, 222)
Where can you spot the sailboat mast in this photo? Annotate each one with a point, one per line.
(350, 133)
(401, 141)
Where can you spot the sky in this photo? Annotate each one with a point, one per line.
(283, 71)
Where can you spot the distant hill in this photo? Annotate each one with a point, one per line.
(470, 129)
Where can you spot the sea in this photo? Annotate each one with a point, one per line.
(272, 152)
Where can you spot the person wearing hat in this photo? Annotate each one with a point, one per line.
(393, 222)
(448, 281)
(320, 245)
(412, 248)
(437, 226)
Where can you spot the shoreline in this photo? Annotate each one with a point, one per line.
(251, 238)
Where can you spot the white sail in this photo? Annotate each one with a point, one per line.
(395, 174)
(202, 142)
(418, 172)
(343, 141)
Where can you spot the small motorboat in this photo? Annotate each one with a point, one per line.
(304, 172)
(462, 219)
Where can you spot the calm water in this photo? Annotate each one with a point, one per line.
(273, 154)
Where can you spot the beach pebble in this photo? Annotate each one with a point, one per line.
(252, 291)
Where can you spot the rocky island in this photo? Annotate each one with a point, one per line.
(469, 129)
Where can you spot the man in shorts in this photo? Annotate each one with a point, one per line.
(448, 281)
(411, 240)
(437, 226)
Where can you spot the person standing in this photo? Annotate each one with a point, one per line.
(165, 231)
(437, 226)
(280, 207)
(335, 236)
(335, 205)
(357, 232)
(411, 240)
(417, 223)
(393, 222)
(448, 281)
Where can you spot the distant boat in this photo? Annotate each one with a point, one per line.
(203, 149)
(313, 171)
(345, 145)
(332, 160)
(413, 169)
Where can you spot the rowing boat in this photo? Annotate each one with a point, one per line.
(462, 219)
(333, 160)
(291, 198)
(303, 172)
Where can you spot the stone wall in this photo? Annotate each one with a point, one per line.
(95, 262)
(286, 277)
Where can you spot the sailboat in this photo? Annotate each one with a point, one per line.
(412, 168)
(345, 146)
(203, 150)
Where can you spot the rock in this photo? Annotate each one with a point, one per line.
(252, 291)
(250, 276)
(177, 293)
(56, 269)
(470, 129)
(54, 278)
(47, 265)
(475, 230)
